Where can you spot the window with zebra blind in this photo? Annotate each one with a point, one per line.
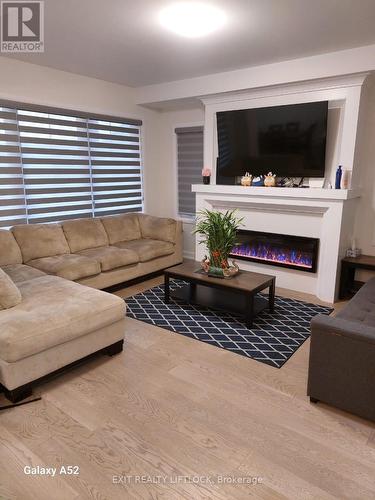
(59, 164)
(189, 167)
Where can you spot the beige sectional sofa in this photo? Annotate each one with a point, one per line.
(99, 252)
(48, 319)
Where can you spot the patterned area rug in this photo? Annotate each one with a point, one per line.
(273, 339)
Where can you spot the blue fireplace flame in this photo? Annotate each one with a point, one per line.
(272, 253)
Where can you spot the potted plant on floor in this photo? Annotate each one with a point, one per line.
(219, 235)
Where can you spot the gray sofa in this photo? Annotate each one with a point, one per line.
(342, 356)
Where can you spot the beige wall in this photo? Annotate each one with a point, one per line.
(166, 204)
(365, 155)
(365, 221)
(30, 83)
(163, 196)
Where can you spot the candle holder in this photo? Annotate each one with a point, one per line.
(206, 174)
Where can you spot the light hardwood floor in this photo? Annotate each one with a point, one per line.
(170, 406)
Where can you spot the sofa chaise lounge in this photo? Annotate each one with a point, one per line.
(52, 311)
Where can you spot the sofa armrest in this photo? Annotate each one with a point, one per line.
(341, 365)
(331, 325)
(160, 228)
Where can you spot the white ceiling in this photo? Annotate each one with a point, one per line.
(121, 40)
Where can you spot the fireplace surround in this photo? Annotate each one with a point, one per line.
(293, 252)
(325, 214)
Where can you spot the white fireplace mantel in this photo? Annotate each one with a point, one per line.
(276, 192)
(326, 214)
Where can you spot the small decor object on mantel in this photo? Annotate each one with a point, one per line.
(246, 179)
(219, 232)
(285, 182)
(270, 180)
(338, 177)
(258, 181)
(345, 179)
(206, 174)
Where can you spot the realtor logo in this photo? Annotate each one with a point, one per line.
(22, 26)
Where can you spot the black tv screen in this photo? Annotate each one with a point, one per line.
(288, 140)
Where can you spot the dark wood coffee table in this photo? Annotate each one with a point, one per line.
(236, 294)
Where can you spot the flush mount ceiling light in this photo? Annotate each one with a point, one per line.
(192, 19)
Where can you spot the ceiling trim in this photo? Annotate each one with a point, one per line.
(338, 82)
(333, 64)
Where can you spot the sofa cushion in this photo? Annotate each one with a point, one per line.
(148, 249)
(54, 311)
(10, 252)
(122, 227)
(111, 257)
(85, 233)
(158, 228)
(21, 272)
(69, 266)
(40, 240)
(10, 295)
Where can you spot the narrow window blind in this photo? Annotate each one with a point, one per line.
(56, 165)
(12, 196)
(189, 167)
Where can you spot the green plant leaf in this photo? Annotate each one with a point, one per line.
(218, 231)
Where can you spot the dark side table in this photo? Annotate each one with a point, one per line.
(348, 268)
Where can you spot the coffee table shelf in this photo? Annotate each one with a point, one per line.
(238, 294)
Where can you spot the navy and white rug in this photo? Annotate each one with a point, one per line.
(273, 339)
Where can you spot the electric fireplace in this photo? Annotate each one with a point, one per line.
(293, 252)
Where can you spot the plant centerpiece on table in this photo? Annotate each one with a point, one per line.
(219, 235)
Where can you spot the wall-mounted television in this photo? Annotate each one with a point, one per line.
(288, 140)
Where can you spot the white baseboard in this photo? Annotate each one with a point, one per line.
(188, 255)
